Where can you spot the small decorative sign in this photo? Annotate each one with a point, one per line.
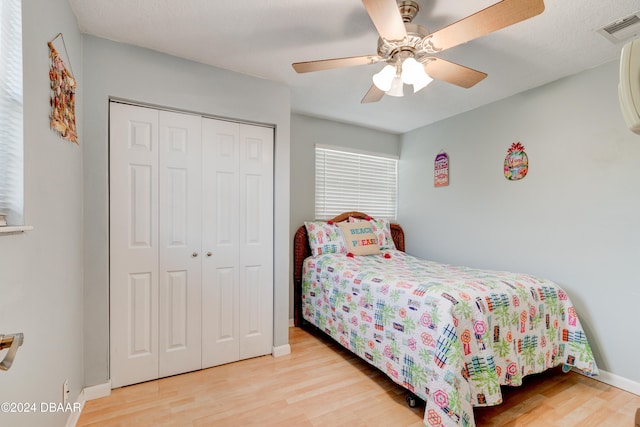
(516, 164)
(441, 170)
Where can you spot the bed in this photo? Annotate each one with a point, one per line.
(450, 335)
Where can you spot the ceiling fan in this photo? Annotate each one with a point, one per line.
(408, 48)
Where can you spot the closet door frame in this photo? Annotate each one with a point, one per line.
(148, 336)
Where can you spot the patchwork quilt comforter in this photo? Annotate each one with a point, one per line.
(451, 335)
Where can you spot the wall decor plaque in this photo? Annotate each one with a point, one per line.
(516, 164)
(441, 170)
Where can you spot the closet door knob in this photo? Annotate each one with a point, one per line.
(195, 254)
(209, 254)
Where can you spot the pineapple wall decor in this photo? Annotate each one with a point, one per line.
(516, 164)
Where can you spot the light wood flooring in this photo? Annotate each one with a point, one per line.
(321, 384)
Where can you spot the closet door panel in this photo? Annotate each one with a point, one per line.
(225, 301)
(220, 274)
(180, 259)
(256, 240)
(133, 246)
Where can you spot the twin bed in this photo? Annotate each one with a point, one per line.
(450, 335)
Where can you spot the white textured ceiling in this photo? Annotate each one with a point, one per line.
(263, 37)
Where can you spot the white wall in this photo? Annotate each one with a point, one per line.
(306, 132)
(573, 219)
(41, 270)
(123, 71)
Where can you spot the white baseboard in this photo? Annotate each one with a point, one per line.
(615, 381)
(97, 391)
(281, 350)
(73, 419)
(88, 393)
(291, 323)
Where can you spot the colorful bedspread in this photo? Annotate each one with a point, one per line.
(452, 335)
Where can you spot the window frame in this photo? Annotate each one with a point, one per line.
(366, 166)
(11, 116)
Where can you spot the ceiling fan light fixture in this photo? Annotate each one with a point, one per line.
(413, 73)
(397, 87)
(421, 82)
(384, 78)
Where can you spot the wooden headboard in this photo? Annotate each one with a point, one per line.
(301, 251)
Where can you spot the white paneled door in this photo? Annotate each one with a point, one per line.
(180, 219)
(191, 242)
(133, 245)
(238, 207)
(255, 308)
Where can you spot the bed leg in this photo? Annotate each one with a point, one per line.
(412, 400)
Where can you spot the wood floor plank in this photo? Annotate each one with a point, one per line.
(321, 384)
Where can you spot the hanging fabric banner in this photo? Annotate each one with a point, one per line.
(63, 88)
(441, 170)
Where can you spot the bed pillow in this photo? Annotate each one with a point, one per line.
(360, 238)
(325, 238)
(382, 230)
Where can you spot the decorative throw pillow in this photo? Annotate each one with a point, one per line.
(325, 238)
(382, 230)
(360, 238)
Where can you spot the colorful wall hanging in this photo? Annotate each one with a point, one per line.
(441, 170)
(63, 89)
(516, 164)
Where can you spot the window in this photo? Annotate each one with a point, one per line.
(348, 181)
(11, 163)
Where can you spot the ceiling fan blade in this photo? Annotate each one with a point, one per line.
(328, 64)
(373, 95)
(493, 18)
(386, 18)
(453, 73)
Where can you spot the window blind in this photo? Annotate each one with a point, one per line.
(11, 157)
(348, 181)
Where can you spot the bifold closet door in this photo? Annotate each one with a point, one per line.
(191, 242)
(237, 282)
(133, 244)
(180, 222)
(155, 243)
(256, 241)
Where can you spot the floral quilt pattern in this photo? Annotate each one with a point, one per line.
(451, 335)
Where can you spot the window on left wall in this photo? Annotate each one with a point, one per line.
(11, 113)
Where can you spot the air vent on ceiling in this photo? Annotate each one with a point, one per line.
(622, 29)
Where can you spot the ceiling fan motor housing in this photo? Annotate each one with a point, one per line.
(408, 9)
(414, 45)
